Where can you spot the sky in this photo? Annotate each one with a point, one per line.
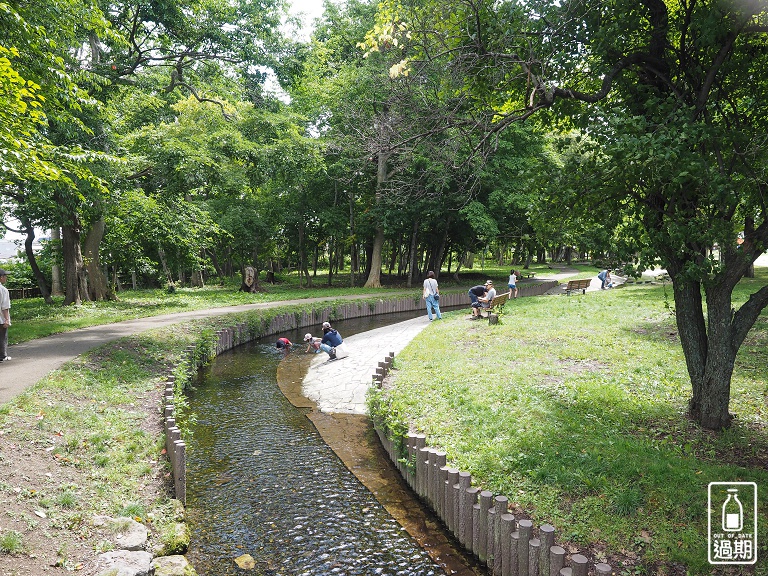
(310, 9)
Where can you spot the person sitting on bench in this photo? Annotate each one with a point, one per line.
(484, 301)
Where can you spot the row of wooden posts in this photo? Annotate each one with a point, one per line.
(480, 521)
(228, 338)
(243, 332)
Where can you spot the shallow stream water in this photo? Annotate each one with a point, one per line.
(261, 481)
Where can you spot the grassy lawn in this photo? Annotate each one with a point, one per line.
(574, 408)
(32, 318)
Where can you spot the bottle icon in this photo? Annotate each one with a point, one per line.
(733, 512)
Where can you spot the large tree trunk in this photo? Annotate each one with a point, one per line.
(440, 252)
(164, 264)
(56, 288)
(374, 276)
(196, 280)
(710, 348)
(412, 272)
(39, 277)
(215, 261)
(76, 282)
(692, 329)
(98, 286)
(303, 264)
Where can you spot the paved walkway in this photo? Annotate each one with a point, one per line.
(339, 386)
(34, 359)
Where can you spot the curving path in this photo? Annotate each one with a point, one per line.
(34, 359)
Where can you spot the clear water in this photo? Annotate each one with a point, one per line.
(261, 481)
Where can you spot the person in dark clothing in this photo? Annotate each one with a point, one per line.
(474, 293)
(331, 337)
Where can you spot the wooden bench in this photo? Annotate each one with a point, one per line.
(526, 274)
(574, 285)
(498, 301)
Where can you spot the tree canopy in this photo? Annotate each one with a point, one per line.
(408, 138)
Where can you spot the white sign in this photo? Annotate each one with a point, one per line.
(732, 523)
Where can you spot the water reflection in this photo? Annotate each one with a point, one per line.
(261, 481)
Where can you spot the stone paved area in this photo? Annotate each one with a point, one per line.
(339, 386)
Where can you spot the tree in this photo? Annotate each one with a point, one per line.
(386, 123)
(682, 88)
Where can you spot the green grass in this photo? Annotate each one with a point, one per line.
(11, 542)
(574, 408)
(33, 318)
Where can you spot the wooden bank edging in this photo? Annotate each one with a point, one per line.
(480, 521)
(243, 332)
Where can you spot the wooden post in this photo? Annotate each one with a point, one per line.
(556, 560)
(501, 503)
(534, 554)
(180, 471)
(507, 526)
(467, 499)
(524, 527)
(547, 537)
(603, 569)
(514, 554)
(481, 537)
(422, 471)
(430, 487)
(452, 500)
(579, 565)
(490, 541)
(442, 481)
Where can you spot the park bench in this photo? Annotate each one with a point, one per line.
(497, 302)
(574, 285)
(526, 274)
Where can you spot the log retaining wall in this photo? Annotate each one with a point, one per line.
(480, 521)
(255, 328)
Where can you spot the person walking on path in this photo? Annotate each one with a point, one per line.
(475, 293)
(432, 296)
(5, 316)
(512, 284)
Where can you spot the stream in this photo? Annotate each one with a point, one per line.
(262, 481)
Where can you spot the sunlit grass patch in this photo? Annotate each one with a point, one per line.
(575, 407)
(11, 542)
